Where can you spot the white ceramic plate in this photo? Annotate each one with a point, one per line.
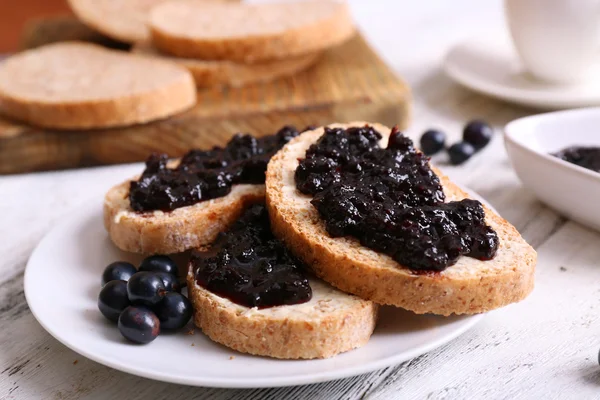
(492, 67)
(572, 190)
(62, 282)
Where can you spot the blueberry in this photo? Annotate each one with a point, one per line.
(139, 324)
(146, 288)
(171, 282)
(460, 152)
(432, 141)
(174, 311)
(113, 299)
(118, 271)
(159, 264)
(478, 133)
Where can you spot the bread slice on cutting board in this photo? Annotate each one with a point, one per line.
(249, 32)
(332, 322)
(158, 232)
(122, 20)
(467, 287)
(227, 73)
(74, 85)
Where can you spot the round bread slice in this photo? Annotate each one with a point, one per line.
(332, 322)
(158, 232)
(249, 32)
(467, 287)
(74, 85)
(227, 73)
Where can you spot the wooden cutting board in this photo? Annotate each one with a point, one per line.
(349, 83)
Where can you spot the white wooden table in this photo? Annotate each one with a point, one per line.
(543, 348)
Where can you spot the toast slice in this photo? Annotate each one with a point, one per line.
(124, 21)
(235, 172)
(308, 323)
(227, 73)
(249, 33)
(158, 232)
(470, 286)
(332, 322)
(74, 85)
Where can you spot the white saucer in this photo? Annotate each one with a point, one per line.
(72, 256)
(493, 68)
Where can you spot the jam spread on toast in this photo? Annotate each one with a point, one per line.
(391, 200)
(205, 174)
(586, 157)
(249, 266)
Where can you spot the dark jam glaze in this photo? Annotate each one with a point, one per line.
(205, 174)
(250, 267)
(586, 157)
(391, 200)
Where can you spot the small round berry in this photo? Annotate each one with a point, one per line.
(478, 133)
(460, 152)
(174, 311)
(113, 299)
(171, 282)
(159, 264)
(145, 288)
(432, 141)
(139, 324)
(118, 271)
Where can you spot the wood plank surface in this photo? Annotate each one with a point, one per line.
(348, 83)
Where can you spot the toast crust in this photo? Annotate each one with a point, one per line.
(468, 287)
(75, 85)
(332, 322)
(157, 232)
(227, 73)
(332, 24)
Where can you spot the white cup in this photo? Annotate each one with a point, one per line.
(557, 40)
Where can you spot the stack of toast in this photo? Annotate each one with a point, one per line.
(348, 279)
(176, 47)
(223, 42)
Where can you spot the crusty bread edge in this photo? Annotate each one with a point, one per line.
(227, 73)
(420, 293)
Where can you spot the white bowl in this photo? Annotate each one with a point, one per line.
(571, 190)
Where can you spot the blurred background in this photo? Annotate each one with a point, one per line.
(412, 38)
(15, 14)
